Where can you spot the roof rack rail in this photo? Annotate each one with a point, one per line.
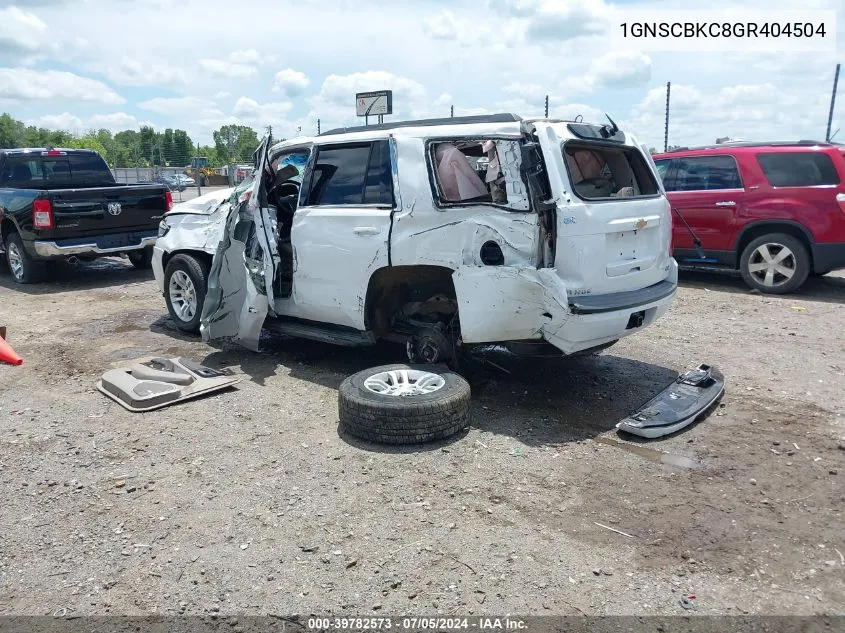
(505, 117)
(800, 143)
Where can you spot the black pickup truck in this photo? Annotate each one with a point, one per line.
(65, 204)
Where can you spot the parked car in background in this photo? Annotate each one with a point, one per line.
(186, 180)
(65, 204)
(171, 182)
(774, 211)
(388, 232)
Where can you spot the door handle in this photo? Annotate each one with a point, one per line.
(726, 203)
(365, 230)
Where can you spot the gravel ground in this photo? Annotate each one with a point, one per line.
(250, 501)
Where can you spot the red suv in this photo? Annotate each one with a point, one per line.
(775, 211)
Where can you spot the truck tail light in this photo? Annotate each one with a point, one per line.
(42, 214)
(840, 198)
(168, 200)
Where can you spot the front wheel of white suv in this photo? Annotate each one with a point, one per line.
(185, 285)
(775, 264)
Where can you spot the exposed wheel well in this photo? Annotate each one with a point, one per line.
(766, 228)
(391, 288)
(7, 227)
(200, 255)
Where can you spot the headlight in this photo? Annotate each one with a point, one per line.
(163, 228)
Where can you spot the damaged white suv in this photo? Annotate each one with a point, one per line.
(443, 235)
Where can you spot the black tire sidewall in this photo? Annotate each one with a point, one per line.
(404, 420)
(32, 270)
(197, 271)
(802, 257)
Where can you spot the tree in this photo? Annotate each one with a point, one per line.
(182, 149)
(90, 142)
(241, 138)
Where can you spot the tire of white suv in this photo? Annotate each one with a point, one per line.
(775, 264)
(185, 285)
(403, 404)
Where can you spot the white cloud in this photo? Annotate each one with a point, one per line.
(291, 82)
(224, 68)
(526, 90)
(557, 19)
(250, 56)
(22, 34)
(131, 71)
(222, 95)
(261, 114)
(115, 122)
(621, 69)
(29, 85)
(239, 64)
(182, 107)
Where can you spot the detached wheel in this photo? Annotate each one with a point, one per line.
(185, 285)
(404, 404)
(775, 264)
(23, 268)
(141, 259)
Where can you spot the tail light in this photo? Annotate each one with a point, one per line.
(168, 200)
(42, 214)
(840, 198)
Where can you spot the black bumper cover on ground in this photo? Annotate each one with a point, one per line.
(684, 401)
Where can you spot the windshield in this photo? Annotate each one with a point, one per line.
(52, 172)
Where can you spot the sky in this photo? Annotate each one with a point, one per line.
(198, 65)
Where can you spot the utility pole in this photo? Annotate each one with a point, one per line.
(832, 103)
(451, 111)
(547, 106)
(666, 126)
(318, 127)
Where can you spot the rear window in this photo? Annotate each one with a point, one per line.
(598, 172)
(798, 169)
(46, 172)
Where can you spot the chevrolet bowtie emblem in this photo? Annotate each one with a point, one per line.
(641, 224)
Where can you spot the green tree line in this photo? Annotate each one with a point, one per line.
(137, 148)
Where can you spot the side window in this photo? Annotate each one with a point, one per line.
(663, 173)
(351, 175)
(479, 171)
(706, 173)
(798, 169)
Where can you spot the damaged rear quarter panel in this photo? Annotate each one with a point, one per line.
(424, 234)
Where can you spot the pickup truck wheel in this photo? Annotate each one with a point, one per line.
(185, 285)
(775, 264)
(24, 270)
(141, 259)
(403, 404)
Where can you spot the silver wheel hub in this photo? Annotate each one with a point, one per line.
(404, 382)
(183, 295)
(772, 264)
(15, 260)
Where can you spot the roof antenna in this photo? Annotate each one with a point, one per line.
(615, 127)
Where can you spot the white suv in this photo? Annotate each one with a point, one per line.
(439, 234)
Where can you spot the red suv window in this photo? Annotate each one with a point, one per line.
(798, 169)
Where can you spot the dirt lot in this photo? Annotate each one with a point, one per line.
(251, 502)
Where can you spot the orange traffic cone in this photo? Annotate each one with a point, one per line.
(7, 354)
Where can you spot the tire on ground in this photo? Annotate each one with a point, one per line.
(403, 419)
(197, 271)
(803, 264)
(31, 271)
